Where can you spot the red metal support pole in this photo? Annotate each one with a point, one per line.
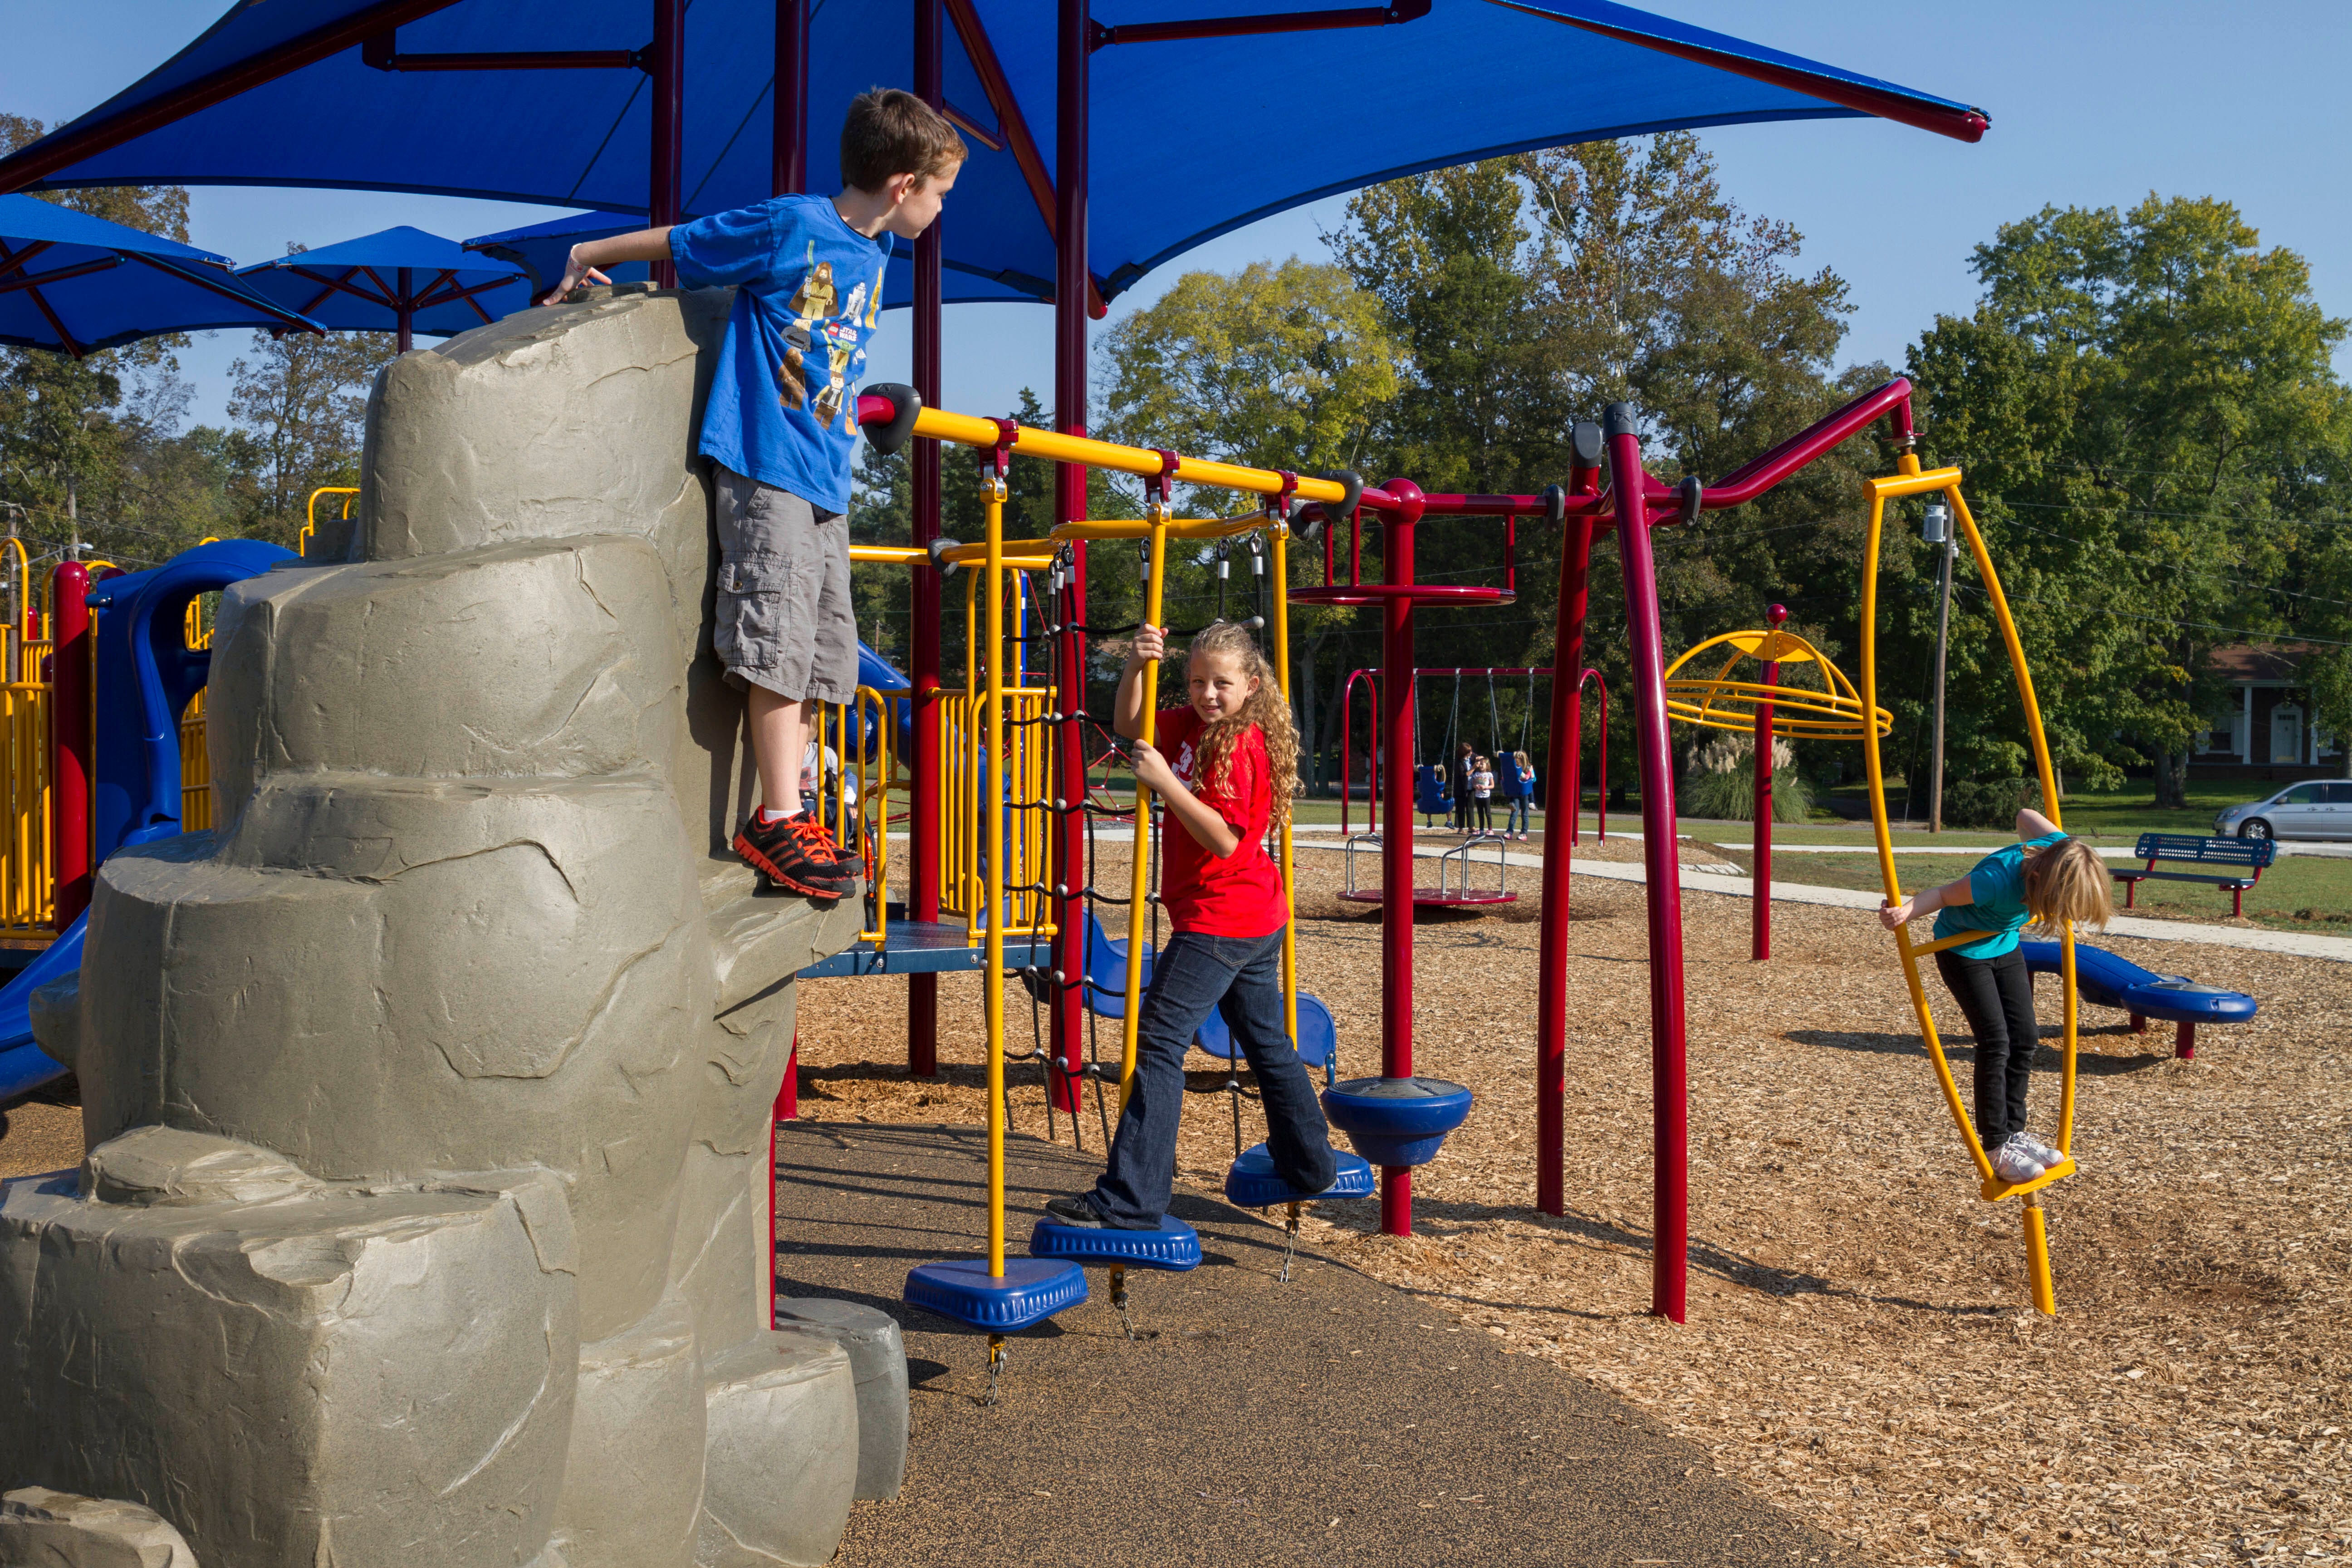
(1070, 297)
(1601, 795)
(1563, 764)
(72, 675)
(1669, 1088)
(407, 308)
(664, 181)
(923, 465)
(1347, 752)
(1759, 918)
(788, 110)
(1396, 847)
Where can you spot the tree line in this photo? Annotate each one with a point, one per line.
(2145, 403)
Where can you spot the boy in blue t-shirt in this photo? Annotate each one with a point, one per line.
(781, 430)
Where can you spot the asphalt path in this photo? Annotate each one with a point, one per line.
(1331, 1420)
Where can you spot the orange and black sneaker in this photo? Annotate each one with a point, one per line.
(792, 853)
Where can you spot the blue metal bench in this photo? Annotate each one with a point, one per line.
(2239, 862)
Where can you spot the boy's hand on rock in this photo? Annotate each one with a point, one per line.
(1150, 643)
(575, 272)
(1151, 769)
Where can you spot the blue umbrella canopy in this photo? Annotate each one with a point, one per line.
(1200, 120)
(398, 279)
(76, 283)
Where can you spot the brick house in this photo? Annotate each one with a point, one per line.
(2267, 732)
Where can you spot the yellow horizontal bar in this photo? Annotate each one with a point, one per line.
(893, 554)
(1897, 485)
(1178, 528)
(939, 424)
(1959, 939)
(1022, 554)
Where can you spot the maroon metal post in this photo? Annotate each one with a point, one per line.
(1562, 764)
(663, 182)
(1601, 795)
(1669, 1088)
(1070, 301)
(923, 465)
(1396, 845)
(71, 720)
(788, 111)
(2184, 1040)
(1760, 919)
(406, 305)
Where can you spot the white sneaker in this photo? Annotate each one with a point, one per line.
(2015, 1162)
(2040, 1150)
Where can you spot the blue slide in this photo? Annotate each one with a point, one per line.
(146, 677)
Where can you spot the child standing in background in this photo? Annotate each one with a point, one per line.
(1482, 788)
(1523, 799)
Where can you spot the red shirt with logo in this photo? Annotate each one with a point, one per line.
(1239, 895)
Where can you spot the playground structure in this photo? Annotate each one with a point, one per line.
(1765, 709)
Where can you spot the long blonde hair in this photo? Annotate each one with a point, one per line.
(2067, 881)
(1265, 709)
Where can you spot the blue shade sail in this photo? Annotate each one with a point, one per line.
(364, 284)
(1190, 136)
(77, 284)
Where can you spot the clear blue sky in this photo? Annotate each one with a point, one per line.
(2091, 104)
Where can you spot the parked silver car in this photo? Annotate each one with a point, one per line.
(2315, 808)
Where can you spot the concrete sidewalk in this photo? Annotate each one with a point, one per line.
(1329, 1420)
(2335, 948)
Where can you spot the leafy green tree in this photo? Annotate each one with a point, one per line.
(2146, 409)
(301, 402)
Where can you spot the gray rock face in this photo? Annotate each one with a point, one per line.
(877, 1357)
(470, 910)
(42, 1528)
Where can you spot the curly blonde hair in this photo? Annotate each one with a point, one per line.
(1266, 710)
(2067, 881)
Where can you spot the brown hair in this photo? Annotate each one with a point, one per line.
(893, 132)
(1266, 710)
(2067, 881)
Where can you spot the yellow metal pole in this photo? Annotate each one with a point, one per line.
(1279, 542)
(992, 808)
(1140, 883)
(2037, 1259)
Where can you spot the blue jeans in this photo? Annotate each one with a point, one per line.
(1517, 821)
(1240, 977)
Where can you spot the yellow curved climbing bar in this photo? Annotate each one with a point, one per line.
(1911, 481)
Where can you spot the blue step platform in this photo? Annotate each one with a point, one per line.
(1174, 1246)
(1397, 1121)
(1032, 1290)
(1253, 1184)
(926, 947)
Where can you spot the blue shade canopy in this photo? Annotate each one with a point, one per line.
(76, 283)
(368, 284)
(1190, 136)
(543, 248)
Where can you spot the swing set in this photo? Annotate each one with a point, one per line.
(1431, 786)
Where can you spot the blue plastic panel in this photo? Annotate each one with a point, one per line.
(1253, 1184)
(1175, 1245)
(1032, 1290)
(1318, 1033)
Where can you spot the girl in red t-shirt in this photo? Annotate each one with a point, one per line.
(1224, 765)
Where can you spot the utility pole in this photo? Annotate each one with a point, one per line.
(1935, 528)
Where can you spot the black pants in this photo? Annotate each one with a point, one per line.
(1997, 995)
(1485, 815)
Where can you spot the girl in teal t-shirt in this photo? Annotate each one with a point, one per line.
(2048, 878)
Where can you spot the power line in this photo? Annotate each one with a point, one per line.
(2161, 620)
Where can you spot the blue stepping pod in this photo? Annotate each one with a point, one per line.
(1031, 1289)
(1396, 1120)
(1174, 1246)
(1253, 1184)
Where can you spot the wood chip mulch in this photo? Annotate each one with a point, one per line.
(1860, 1349)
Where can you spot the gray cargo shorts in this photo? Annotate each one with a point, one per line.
(784, 616)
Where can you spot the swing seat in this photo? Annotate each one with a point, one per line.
(1253, 1184)
(1174, 1246)
(1397, 1121)
(962, 1289)
(1992, 1190)
(1319, 1036)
